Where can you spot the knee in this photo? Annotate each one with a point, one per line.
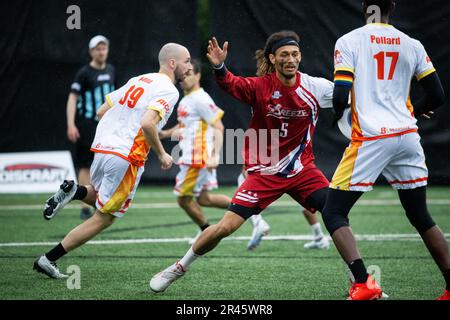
(204, 200)
(184, 202)
(109, 220)
(334, 219)
(223, 230)
(105, 220)
(421, 220)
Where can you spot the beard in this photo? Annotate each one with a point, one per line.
(179, 76)
(289, 75)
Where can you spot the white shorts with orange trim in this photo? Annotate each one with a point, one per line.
(115, 181)
(400, 159)
(192, 181)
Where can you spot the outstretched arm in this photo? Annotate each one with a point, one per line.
(241, 88)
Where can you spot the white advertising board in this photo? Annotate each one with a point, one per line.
(35, 172)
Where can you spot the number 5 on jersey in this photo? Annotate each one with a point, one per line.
(284, 130)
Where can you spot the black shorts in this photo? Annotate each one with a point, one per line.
(82, 154)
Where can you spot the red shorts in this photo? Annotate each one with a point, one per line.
(259, 191)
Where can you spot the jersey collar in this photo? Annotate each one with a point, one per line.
(380, 24)
(194, 91)
(294, 87)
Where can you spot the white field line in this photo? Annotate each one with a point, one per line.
(174, 205)
(362, 237)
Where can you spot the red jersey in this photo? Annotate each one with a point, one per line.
(288, 115)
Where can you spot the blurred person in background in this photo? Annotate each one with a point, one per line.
(200, 134)
(87, 94)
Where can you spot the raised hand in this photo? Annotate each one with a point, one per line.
(216, 55)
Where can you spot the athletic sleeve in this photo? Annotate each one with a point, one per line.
(344, 67)
(209, 111)
(77, 84)
(241, 88)
(424, 66)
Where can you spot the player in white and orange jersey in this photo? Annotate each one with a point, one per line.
(376, 63)
(129, 125)
(200, 132)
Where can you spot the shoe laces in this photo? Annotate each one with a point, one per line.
(66, 186)
(173, 273)
(53, 263)
(52, 203)
(180, 267)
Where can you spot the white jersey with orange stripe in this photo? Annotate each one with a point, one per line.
(197, 113)
(383, 61)
(119, 132)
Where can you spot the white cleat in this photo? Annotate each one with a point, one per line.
(322, 243)
(60, 199)
(164, 279)
(192, 240)
(45, 266)
(262, 229)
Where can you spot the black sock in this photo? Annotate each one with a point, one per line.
(81, 193)
(204, 226)
(359, 271)
(447, 278)
(56, 253)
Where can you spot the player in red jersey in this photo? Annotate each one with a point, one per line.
(278, 152)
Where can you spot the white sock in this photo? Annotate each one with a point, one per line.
(188, 258)
(255, 219)
(317, 230)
